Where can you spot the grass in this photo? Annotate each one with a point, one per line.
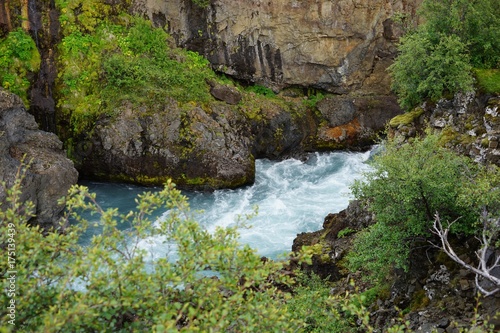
(488, 80)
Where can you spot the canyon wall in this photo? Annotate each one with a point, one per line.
(337, 46)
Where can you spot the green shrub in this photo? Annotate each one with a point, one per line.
(312, 303)
(313, 99)
(344, 232)
(424, 70)
(476, 23)
(409, 184)
(115, 285)
(125, 62)
(261, 90)
(19, 56)
(436, 59)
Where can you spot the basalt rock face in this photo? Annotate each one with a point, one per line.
(337, 46)
(50, 175)
(195, 148)
(354, 121)
(198, 148)
(333, 241)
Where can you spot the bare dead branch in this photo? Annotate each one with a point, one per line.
(483, 269)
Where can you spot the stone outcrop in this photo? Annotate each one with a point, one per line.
(435, 294)
(215, 146)
(333, 241)
(354, 121)
(469, 124)
(336, 46)
(194, 147)
(51, 173)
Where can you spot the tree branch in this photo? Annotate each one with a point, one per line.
(483, 269)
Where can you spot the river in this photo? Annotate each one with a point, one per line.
(292, 196)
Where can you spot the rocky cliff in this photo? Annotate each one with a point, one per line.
(300, 48)
(50, 174)
(469, 124)
(340, 48)
(337, 46)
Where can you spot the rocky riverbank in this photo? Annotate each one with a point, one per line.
(435, 294)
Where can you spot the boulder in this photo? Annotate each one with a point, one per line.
(230, 95)
(199, 147)
(196, 148)
(50, 173)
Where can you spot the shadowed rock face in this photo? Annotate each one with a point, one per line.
(354, 121)
(195, 148)
(51, 174)
(338, 46)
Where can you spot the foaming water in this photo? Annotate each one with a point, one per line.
(292, 197)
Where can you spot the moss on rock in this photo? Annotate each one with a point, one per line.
(406, 118)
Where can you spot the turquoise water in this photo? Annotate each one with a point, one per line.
(292, 196)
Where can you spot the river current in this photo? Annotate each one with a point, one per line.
(292, 196)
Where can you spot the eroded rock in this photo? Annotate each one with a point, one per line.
(354, 121)
(51, 173)
(469, 124)
(193, 147)
(337, 46)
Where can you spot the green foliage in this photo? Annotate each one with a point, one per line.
(312, 302)
(424, 70)
(201, 3)
(355, 307)
(312, 100)
(344, 232)
(488, 80)
(115, 285)
(407, 187)
(106, 64)
(437, 58)
(19, 56)
(261, 90)
(476, 23)
(86, 15)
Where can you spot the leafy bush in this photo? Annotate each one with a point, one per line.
(19, 56)
(476, 23)
(437, 58)
(424, 70)
(407, 186)
(312, 302)
(130, 62)
(115, 285)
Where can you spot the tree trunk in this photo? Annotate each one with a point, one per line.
(5, 22)
(25, 15)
